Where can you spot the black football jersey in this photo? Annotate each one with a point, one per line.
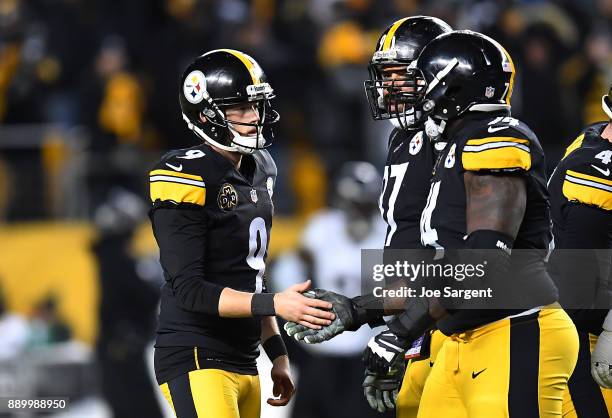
(486, 143)
(581, 208)
(201, 200)
(408, 169)
(581, 177)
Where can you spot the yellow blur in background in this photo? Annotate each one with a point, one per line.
(39, 260)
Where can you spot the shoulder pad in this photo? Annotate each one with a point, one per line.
(502, 144)
(591, 132)
(587, 176)
(576, 143)
(181, 176)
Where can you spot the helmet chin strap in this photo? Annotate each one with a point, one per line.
(246, 144)
(409, 119)
(240, 143)
(395, 123)
(434, 130)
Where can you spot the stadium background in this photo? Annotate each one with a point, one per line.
(88, 101)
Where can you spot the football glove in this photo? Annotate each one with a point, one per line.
(601, 360)
(384, 351)
(298, 331)
(380, 390)
(351, 314)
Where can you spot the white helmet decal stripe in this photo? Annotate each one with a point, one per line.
(438, 77)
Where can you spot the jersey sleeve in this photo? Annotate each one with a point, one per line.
(178, 194)
(182, 176)
(506, 150)
(587, 230)
(585, 184)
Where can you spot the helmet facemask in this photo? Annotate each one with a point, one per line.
(216, 128)
(393, 98)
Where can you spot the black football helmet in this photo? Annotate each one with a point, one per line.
(606, 103)
(220, 79)
(399, 45)
(461, 71)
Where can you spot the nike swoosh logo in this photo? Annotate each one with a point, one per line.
(475, 375)
(499, 128)
(604, 172)
(175, 167)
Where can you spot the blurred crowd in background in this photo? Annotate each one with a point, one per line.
(111, 69)
(89, 101)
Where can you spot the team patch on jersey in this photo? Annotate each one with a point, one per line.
(227, 198)
(587, 189)
(496, 153)
(449, 162)
(177, 187)
(416, 143)
(194, 87)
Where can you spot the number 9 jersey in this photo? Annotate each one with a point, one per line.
(212, 224)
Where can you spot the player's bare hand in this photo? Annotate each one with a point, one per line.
(283, 388)
(293, 306)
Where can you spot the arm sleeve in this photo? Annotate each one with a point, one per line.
(181, 235)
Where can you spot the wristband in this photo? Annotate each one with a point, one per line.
(262, 304)
(274, 347)
(414, 321)
(368, 309)
(498, 261)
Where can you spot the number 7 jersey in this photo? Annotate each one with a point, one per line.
(409, 165)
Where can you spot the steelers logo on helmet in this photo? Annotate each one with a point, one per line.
(194, 87)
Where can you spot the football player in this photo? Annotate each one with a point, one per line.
(211, 216)
(488, 192)
(410, 160)
(581, 208)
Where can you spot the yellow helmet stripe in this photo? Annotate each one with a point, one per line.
(511, 86)
(247, 63)
(512, 67)
(391, 33)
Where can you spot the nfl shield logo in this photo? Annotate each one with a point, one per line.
(254, 195)
(489, 92)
